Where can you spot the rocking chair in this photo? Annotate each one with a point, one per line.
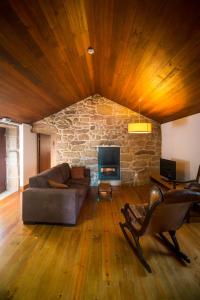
(164, 213)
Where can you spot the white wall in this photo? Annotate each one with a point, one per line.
(28, 154)
(181, 142)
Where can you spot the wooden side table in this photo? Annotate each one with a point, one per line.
(104, 189)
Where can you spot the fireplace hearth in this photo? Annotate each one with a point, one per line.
(109, 163)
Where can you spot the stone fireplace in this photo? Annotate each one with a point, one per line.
(109, 163)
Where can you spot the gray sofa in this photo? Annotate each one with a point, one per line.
(44, 204)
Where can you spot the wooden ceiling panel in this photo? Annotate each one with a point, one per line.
(145, 50)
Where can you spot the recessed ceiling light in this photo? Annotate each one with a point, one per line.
(90, 50)
(5, 120)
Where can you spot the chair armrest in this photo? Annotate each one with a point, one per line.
(135, 213)
(138, 211)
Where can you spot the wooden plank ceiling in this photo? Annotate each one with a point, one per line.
(143, 49)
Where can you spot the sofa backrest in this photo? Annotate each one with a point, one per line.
(60, 173)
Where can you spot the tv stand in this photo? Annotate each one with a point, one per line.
(164, 182)
(166, 179)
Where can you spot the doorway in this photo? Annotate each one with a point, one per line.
(2, 160)
(44, 152)
(9, 159)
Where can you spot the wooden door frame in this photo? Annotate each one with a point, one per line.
(38, 150)
(5, 155)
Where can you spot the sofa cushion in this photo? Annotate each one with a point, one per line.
(65, 170)
(77, 172)
(38, 181)
(55, 173)
(57, 185)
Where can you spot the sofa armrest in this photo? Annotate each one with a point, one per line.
(50, 205)
(52, 191)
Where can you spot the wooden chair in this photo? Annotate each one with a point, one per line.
(164, 213)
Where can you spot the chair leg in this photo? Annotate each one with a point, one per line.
(111, 195)
(137, 250)
(174, 239)
(175, 246)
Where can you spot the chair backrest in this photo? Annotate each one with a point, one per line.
(169, 211)
(198, 175)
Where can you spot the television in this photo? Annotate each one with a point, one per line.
(168, 169)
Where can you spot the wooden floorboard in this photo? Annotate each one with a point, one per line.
(92, 260)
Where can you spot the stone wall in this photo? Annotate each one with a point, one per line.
(94, 121)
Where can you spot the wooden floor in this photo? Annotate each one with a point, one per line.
(92, 260)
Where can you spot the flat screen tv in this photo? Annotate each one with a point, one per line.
(168, 169)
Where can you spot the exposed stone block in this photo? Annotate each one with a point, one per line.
(92, 161)
(67, 132)
(94, 143)
(126, 157)
(79, 148)
(140, 164)
(125, 165)
(84, 120)
(78, 131)
(104, 109)
(150, 152)
(78, 142)
(62, 146)
(76, 162)
(72, 154)
(83, 137)
(90, 153)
